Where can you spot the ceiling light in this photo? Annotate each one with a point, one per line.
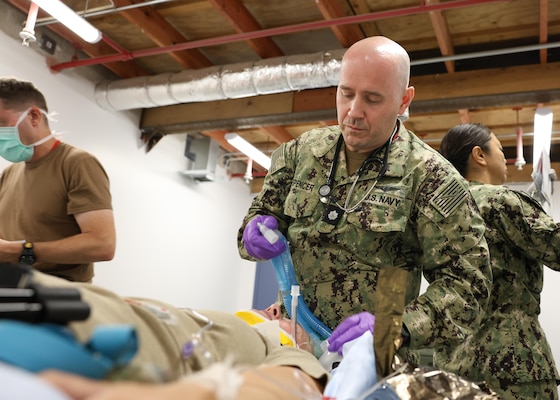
(248, 149)
(66, 16)
(543, 174)
(542, 133)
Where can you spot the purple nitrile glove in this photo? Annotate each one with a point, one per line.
(256, 244)
(351, 328)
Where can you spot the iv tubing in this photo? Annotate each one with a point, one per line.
(295, 294)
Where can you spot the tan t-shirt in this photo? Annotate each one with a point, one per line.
(38, 201)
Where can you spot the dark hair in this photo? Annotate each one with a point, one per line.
(17, 95)
(459, 141)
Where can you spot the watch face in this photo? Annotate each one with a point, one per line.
(29, 260)
(28, 245)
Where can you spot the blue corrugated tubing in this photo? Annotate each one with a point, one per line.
(285, 276)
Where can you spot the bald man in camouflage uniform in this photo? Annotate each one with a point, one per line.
(509, 351)
(417, 216)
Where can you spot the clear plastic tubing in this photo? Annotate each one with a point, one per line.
(295, 295)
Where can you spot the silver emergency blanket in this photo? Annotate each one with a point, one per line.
(428, 383)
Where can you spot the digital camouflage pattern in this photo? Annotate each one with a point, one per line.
(420, 216)
(510, 350)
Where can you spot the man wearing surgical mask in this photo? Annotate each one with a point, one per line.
(55, 203)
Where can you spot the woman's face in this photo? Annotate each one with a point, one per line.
(496, 162)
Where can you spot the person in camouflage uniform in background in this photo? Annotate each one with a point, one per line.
(406, 209)
(509, 351)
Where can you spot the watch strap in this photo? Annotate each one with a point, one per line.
(27, 254)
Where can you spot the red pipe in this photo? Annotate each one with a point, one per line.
(354, 19)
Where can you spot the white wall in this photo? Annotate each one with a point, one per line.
(176, 238)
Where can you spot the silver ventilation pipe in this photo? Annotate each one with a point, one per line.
(272, 75)
(247, 79)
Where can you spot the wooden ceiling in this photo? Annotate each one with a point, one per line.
(488, 61)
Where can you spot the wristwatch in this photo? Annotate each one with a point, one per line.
(27, 254)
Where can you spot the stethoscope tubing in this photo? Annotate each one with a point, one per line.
(326, 189)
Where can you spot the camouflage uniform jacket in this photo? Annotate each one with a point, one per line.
(419, 216)
(510, 344)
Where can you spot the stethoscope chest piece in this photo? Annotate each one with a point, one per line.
(324, 191)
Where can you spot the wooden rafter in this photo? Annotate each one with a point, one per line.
(346, 34)
(243, 21)
(443, 36)
(543, 28)
(153, 25)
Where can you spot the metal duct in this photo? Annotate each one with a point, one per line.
(273, 75)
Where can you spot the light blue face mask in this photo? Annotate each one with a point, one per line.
(11, 147)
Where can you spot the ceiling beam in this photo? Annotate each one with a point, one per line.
(243, 21)
(441, 30)
(515, 86)
(162, 33)
(362, 7)
(543, 28)
(526, 78)
(347, 35)
(278, 133)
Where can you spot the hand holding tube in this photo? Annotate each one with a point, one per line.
(258, 238)
(351, 328)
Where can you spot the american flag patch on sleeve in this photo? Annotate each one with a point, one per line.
(448, 197)
(277, 161)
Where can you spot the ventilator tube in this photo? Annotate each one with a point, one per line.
(285, 277)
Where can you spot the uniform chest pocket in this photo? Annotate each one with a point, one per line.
(383, 211)
(301, 201)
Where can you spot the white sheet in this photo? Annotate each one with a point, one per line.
(19, 384)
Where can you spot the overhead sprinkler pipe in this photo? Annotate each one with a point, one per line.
(249, 171)
(28, 32)
(520, 160)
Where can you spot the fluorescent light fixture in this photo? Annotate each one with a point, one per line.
(70, 19)
(542, 171)
(248, 149)
(542, 133)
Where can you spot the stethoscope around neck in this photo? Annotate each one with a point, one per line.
(326, 189)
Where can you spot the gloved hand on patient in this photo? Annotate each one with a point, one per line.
(256, 244)
(351, 328)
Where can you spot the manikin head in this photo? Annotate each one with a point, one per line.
(272, 324)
